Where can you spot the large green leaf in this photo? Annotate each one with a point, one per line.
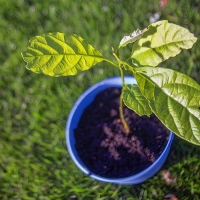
(135, 100)
(174, 98)
(161, 41)
(56, 54)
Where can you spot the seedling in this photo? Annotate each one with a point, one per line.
(172, 96)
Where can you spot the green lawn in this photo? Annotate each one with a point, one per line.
(34, 162)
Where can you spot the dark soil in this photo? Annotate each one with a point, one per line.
(103, 144)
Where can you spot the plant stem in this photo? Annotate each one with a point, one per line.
(126, 127)
(125, 65)
(111, 62)
(121, 113)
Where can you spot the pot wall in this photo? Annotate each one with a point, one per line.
(85, 99)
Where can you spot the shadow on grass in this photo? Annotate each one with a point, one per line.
(183, 165)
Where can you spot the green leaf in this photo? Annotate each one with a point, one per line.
(135, 100)
(56, 54)
(135, 35)
(174, 98)
(161, 41)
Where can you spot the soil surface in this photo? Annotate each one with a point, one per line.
(103, 144)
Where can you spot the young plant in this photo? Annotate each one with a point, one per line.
(172, 96)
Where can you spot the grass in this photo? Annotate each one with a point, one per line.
(34, 162)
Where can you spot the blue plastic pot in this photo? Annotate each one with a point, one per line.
(85, 99)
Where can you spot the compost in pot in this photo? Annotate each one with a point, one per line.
(104, 146)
